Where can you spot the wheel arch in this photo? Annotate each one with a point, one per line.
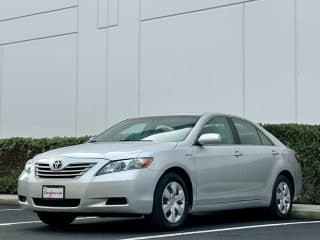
(185, 176)
(288, 175)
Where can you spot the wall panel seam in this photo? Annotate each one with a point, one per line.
(107, 24)
(38, 38)
(97, 19)
(39, 13)
(195, 11)
(77, 78)
(139, 61)
(296, 73)
(244, 59)
(118, 12)
(110, 26)
(107, 69)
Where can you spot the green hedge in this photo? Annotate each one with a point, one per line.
(305, 139)
(14, 152)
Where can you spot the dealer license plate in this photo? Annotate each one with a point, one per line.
(53, 192)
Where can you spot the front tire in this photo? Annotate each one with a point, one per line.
(56, 219)
(171, 202)
(282, 198)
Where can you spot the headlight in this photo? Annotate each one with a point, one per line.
(27, 167)
(124, 165)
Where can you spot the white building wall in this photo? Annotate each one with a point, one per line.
(193, 62)
(74, 67)
(308, 59)
(270, 61)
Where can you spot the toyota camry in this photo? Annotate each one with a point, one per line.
(164, 168)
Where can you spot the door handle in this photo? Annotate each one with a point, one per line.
(275, 153)
(238, 154)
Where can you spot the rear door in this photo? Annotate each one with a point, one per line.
(259, 155)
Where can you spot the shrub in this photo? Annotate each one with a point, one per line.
(305, 140)
(14, 152)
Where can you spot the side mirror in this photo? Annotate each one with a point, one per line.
(209, 138)
(91, 138)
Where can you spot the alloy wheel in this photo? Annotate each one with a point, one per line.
(283, 198)
(173, 202)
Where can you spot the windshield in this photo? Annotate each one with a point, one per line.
(157, 129)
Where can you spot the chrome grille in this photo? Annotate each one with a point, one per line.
(72, 170)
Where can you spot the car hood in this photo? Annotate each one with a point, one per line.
(109, 151)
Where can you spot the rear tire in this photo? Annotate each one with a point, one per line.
(282, 198)
(170, 203)
(56, 219)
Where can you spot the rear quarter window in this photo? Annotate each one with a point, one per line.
(264, 139)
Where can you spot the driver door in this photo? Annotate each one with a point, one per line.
(217, 166)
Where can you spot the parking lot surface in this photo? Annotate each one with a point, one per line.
(246, 224)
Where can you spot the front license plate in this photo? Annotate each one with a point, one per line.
(53, 192)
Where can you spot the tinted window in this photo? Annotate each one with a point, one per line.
(158, 129)
(264, 139)
(221, 126)
(247, 132)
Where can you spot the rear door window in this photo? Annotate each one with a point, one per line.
(248, 134)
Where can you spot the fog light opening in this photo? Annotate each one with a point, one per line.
(22, 198)
(117, 201)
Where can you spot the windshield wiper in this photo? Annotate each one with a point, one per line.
(123, 140)
(129, 140)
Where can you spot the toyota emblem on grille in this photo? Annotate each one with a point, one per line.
(57, 165)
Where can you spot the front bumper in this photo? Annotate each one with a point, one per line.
(137, 186)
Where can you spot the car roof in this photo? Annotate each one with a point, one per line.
(206, 114)
(169, 115)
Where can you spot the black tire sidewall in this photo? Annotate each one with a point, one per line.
(275, 212)
(157, 217)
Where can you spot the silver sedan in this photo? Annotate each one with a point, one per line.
(164, 168)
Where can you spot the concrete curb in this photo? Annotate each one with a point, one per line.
(298, 211)
(8, 199)
(306, 211)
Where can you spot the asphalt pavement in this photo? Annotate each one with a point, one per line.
(244, 224)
